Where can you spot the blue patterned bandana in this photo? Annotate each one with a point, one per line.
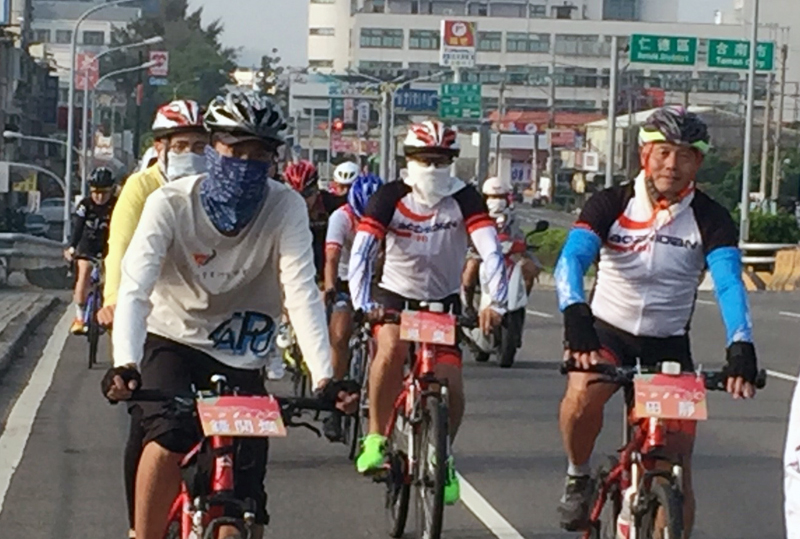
(232, 191)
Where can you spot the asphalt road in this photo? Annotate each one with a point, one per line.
(68, 483)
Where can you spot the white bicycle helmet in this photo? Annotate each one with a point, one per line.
(248, 115)
(431, 136)
(346, 173)
(494, 186)
(179, 115)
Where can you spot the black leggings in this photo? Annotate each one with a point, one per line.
(133, 451)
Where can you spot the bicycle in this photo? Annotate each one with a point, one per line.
(418, 442)
(633, 497)
(94, 301)
(207, 486)
(293, 359)
(362, 349)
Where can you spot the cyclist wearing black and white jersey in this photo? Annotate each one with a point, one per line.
(653, 238)
(426, 222)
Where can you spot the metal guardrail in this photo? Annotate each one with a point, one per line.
(762, 260)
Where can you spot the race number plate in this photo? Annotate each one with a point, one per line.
(670, 397)
(257, 417)
(428, 327)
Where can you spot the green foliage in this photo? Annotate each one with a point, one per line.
(270, 80)
(550, 243)
(198, 63)
(767, 228)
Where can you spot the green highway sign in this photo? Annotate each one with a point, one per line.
(671, 50)
(732, 53)
(460, 101)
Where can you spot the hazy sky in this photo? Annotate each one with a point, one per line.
(256, 26)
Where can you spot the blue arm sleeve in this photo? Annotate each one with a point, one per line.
(725, 264)
(580, 250)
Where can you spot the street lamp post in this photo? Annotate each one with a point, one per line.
(85, 128)
(71, 95)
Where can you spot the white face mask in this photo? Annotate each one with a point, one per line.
(431, 184)
(180, 165)
(496, 206)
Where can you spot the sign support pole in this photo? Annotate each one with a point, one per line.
(612, 111)
(744, 224)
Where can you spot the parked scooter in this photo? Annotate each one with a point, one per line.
(506, 339)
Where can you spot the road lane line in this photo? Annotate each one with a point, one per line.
(705, 302)
(487, 514)
(539, 313)
(20, 421)
(782, 376)
(789, 314)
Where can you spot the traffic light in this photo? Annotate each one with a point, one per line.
(338, 125)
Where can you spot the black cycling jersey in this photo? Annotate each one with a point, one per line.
(318, 217)
(90, 227)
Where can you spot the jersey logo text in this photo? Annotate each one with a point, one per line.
(245, 332)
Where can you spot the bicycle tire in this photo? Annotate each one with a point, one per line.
(398, 488)
(510, 335)
(429, 482)
(358, 422)
(214, 525)
(94, 328)
(662, 496)
(173, 530)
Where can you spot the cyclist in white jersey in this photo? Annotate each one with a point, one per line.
(201, 291)
(338, 242)
(427, 221)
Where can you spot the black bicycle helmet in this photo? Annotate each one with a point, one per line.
(101, 178)
(676, 125)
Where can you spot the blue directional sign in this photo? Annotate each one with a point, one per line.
(416, 100)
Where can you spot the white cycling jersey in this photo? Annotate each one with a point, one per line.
(791, 470)
(341, 232)
(185, 281)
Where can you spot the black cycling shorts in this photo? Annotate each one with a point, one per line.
(627, 348)
(173, 368)
(395, 302)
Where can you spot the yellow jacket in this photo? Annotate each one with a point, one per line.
(126, 216)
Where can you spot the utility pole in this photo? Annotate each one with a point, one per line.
(744, 224)
(137, 128)
(501, 113)
(386, 110)
(776, 162)
(612, 111)
(762, 186)
(485, 132)
(551, 123)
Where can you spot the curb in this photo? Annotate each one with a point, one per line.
(14, 335)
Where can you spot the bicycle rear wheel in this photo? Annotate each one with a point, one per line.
(352, 424)
(663, 518)
(606, 525)
(398, 483)
(94, 326)
(432, 443)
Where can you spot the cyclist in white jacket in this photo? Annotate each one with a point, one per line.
(201, 293)
(791, 470)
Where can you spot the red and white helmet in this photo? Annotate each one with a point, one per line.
(177, 116)
(431, 136)
(300, 175)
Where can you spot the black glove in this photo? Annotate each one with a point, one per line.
(579, 332)
(127, 373)
(741, 357)
(330, 393)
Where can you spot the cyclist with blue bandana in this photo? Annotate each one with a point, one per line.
(338, 243)
(652, 239)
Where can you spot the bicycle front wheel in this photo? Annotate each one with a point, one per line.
(431, 473)
(398, 484)
(663, 518)
(94, 327)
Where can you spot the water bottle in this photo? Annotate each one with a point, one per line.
(625, 519)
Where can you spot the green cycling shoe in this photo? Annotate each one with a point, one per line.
(452, 487)
(372, 455)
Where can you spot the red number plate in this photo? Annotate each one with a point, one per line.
(670, 397)
(427, 327)
(241, 417)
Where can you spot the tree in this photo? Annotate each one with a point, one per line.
(271, 81)
(198, 62)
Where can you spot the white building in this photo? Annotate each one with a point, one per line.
(524, 42)
(53, 23)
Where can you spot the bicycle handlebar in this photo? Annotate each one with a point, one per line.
(714, 380)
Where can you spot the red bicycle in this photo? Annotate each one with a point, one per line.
(418, 441)
(636, 495)
(207, 488)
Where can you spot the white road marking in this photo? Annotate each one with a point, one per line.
(20, 420)
(539, 313)
(487, 514)
(705, 302)
(782, 376)
(789, 314)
